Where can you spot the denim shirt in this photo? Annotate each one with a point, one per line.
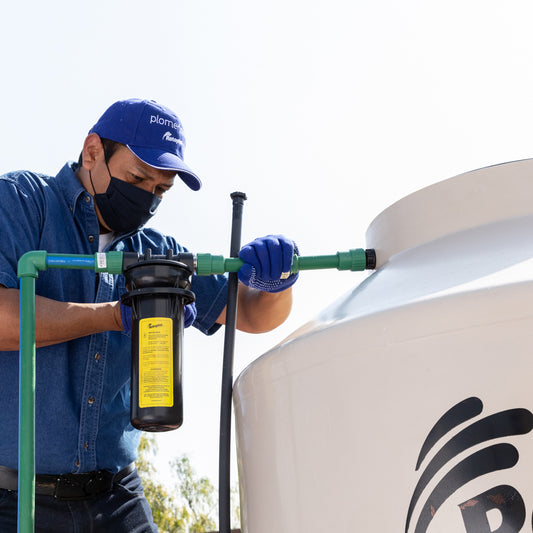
(83, 385)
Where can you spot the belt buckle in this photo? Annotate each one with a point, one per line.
(83, 486)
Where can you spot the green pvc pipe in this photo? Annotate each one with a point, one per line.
(27, 270)
(354, 260)
(26, 465)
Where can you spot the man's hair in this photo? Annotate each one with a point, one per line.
(110, 147)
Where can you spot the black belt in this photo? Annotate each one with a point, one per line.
(68, 486)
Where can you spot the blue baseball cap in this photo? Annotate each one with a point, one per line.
(151, 131)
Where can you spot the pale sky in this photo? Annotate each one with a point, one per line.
(324, 113)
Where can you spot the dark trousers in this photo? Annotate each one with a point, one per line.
(123, 510)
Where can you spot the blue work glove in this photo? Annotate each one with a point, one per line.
(267, 263)
(125, 315)
(189, 316)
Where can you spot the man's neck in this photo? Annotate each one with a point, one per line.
(83, 176)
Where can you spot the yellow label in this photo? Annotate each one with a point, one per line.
(156, 383)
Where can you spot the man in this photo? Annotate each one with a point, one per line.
(129, 160)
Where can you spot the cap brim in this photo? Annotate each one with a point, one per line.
(167, 161)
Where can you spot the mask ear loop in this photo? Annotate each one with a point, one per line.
(91, 178)
(105, 161)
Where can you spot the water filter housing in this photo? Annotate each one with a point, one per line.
(159, 290)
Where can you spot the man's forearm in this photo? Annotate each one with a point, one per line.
(55, 321)
(259, 312)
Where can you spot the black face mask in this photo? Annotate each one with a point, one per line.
(125, 207)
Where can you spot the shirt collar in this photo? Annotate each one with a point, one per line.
(70, 185)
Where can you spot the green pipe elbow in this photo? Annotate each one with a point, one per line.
(30, 264)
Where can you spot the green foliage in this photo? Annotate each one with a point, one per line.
(235, 508)
(191, 508)
(168, 515)
(197, 494)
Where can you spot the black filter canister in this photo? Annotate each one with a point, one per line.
(158, 292)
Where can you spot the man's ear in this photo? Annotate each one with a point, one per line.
(92, 151)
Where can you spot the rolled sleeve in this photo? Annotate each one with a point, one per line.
(22, 215)
(211, 297)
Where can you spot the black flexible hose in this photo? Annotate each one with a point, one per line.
(224, 482)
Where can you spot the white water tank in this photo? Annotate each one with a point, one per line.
(407, 405)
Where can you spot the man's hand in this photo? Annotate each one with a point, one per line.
(267, 263)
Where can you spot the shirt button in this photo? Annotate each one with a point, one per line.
(87, 198)
(91, 400)
(97, 356)
(91, 238)
(86, 445)
(77, 463)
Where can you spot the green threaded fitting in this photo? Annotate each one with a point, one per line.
(110, 262)
(352, 260)
(207, 264)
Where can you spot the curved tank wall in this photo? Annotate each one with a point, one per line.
(407, 404)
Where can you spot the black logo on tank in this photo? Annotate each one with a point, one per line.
(490, 458)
